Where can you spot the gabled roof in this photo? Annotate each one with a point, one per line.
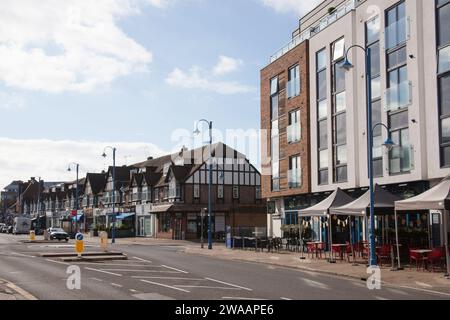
(97, 181)
(152, 178)
(136, 180)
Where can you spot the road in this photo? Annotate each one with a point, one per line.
(167, 273)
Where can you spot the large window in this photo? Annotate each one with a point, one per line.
(294, 174)
(275, 137)
(339, 113)
(322, 116)
(373, 42)
(396, 26)
(293, 86)
(443, 43)
(294, 128)
(400, 155)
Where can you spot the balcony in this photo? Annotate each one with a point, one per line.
(320, 25)
(397, 33)
(399, 96)
(293, 88)
(294, 179)
(293, 133)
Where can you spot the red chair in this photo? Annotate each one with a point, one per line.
(417, 258)
(384, 254)
(311, 249)
(436, 258)
(321, 249)
(337, 250)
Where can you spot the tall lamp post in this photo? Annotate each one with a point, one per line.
(197, 131)
(370, 129)
(77, 168)
(104, 155)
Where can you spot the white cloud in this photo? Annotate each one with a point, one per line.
(227, 65)
(160, 3)
(70, 45)
(298, 7)
(11, 101)
(22, 159)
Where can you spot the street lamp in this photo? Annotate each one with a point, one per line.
(197, 132)
(347, 65)
(104, 155)
(77, 166)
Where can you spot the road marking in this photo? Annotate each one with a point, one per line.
(58, 262)
(116, 285)
(113, 264)
(168, 278)
(425, 290)
(143, 260)
(174, 269)
(241, 298)
(287, 299)
(380, 298)
(95, 279)
(229, 284)
(165, 285)
(20, 291)
(103, 271)
(423, 284)
(22, 255)
(316, 284)
(399, 292)
(15, 272)
(145, 271)
(206, 287)
(134, 291)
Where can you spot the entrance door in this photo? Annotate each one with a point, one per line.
(141, 229)
(148, 227)
(178, 230)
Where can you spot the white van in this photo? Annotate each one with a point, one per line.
(21, 225)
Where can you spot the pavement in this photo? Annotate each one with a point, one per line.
(159, 269)
(9, 291)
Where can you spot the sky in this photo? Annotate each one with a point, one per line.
(77, 76)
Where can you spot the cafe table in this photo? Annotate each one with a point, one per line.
(316, 247)
(423, 253)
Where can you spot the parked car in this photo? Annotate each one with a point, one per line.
(2, 227)
(58, 234)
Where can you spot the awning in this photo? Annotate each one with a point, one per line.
(78, 217)
(161, 209)
(384, 203)
(123, 216)
(336, 199)
(437, 198)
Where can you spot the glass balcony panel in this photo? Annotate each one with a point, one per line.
(294, 178)
(399, 96)
(293, 133)
(293, 88)
(401, 159)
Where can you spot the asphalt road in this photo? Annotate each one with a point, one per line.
(165, 272)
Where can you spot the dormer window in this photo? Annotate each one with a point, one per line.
(166, 168)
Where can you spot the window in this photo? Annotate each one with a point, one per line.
(275, 139)
(396, 26)
(443, 43)
(220, 192)
(294, 128)
(373, 42)
(293, 86)
(196, 191)
(258, 192)
(235, 192)
(164, 222)
(339, 113)
(322, 115)
(294, 174)
(400, 155)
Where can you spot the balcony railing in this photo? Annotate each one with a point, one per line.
(397, 33)
(293, 133)
(320, 25)
(399, 96)
(401, 159)
(293, 88)
(294, 179)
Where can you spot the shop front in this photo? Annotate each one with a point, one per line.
(145, 221)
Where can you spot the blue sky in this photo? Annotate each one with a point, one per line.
(165, 74)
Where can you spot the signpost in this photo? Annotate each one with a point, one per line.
(79, 244)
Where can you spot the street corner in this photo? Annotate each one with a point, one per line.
(10, 291)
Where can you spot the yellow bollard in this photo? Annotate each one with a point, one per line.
(79, 244)
(32, 236)
(104, 240)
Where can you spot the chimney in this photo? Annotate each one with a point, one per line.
(149, 158)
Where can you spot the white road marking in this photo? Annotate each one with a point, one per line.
(103, 271)
(113, 264)
(287, 299)
(58, 262)
(168, 278)
(145, 271)
(399, 292)
(316, 284)
(241, 298)
(229, 284)
(95, 279)
(206, 287)
(116, 285)
(143, 260)
(165, 285)
(22, 255)
(425, 290)
(134, 291)
(423, 284)
(181, 271)
(380, 298)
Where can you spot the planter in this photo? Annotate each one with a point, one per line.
(122, 234)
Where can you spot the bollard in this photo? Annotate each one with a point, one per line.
(79, 244)
(32, 236)
(104, 240)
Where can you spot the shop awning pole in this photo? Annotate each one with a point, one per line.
(396, 240)
(330, 224)
(447, 253)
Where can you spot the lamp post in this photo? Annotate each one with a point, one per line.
(370, 129)
(77, 166)
(104, 155)
(197, 131)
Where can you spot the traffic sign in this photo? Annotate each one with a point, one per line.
(79, 237)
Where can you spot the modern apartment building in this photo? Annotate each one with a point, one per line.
(410, 57)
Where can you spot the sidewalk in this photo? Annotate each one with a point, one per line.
(408, 278)
(9, 291)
